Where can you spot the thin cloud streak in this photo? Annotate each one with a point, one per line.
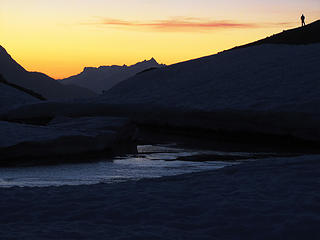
(181, 24)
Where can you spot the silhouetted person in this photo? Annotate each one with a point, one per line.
(303, 18)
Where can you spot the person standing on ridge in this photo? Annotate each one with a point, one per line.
(303, 23)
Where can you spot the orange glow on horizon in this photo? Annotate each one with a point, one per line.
(60, 38)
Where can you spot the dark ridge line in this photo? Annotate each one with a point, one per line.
(25, 90)
(297, 36)
(147, 70)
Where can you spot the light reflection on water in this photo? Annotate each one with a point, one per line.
(149, 163)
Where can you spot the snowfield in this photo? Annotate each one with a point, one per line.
(267, 199)
(268, 89)
(268, 77)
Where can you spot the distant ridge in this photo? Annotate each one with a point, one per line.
(301, 35)
(104, 78)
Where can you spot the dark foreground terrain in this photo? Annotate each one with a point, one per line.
(267, 199)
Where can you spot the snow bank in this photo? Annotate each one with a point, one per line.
(22, 142)
(267, 199)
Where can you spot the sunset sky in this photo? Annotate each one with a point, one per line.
(60, 37)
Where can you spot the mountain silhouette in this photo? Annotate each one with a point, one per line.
(38, 82)
(104, 78)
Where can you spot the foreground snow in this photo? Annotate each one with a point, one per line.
(64, 137)
(267, 199)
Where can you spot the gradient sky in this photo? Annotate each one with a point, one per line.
(60, 37)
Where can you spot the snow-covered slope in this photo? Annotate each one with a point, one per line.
(105, 77)
(259, 78)
(11, 97)
(300, 35)
(38, 82)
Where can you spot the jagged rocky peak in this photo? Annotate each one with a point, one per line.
(147, 63)
(88, 69)
(152, 60)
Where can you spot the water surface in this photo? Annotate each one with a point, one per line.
(153, 161)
